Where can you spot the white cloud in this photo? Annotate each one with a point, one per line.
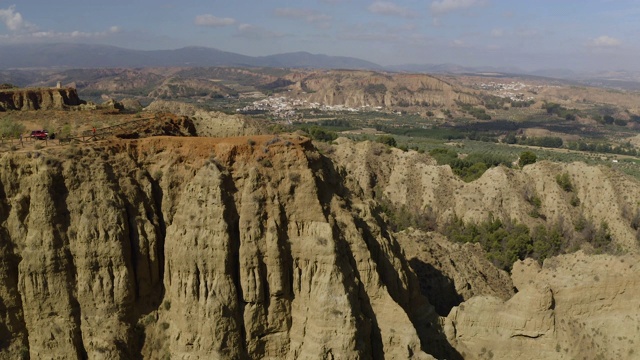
(71, 35)
(310, 16)
(213, 21)
(497, 32)
(14, 22)
(458, 43)
(389, 8)
(605, 41)
(22, 30)
(527, 33)
(445, 6)
(256, 32)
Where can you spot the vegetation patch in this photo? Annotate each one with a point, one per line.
(470, 167)
(564, 181)
(507, 241)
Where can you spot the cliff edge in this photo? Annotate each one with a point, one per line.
(200, 248)
(38, 99)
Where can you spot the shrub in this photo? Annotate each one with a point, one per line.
(602, 239)
(320, 134)
(526, 158)
(575, 201)
(387, 140)
(373, 89)
(635, 221)
(620, 122)
(11, 128)
(564, 181)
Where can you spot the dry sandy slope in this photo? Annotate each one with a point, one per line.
(413, 180)
(576, 306)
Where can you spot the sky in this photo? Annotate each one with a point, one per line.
(586, 35)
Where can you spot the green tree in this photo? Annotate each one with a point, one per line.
(10, 128)
(608, 119)
(564, 181)
(387, 140)
(526, 158)
(510, 138)
(620, 122)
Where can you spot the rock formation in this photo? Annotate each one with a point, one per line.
(261, 247)
(368, 88)
(200, 248)
(574, 307)
(451, 273)
(38, 99)
(210, 123)
(414, 181)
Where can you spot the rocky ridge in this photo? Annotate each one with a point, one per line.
(356, 89)
(199, 248)
(414, 181)
(210, 123)
(38, 99)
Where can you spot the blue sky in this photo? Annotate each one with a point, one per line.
(532, 34)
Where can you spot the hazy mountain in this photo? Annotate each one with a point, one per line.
(317, 61)
(99, 56)
(554, 73)
(449, 68)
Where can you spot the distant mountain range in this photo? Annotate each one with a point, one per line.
(102, 56)
(74, 56)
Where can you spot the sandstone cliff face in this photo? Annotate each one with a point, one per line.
(210, 123)
(195, 248)
(36, 99)
(574, 307)
(451, 273)
(367, 88)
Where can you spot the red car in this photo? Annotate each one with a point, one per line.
(39, 134)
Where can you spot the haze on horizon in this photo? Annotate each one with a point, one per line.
(591, 35)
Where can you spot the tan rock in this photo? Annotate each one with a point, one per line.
(200, 248)
(413, 180)
(575, 306)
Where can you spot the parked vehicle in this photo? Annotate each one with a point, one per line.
(39, 134)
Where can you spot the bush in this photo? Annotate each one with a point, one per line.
(608, 119)
(602, 239)
(564, 181)
(320, 134)
(10, 128)
(510, 138)
(473, 166)
(575, 201)
(526, 158)
(620, 122)
(504, 242)
(373, 89)
(507, 241)
(387, 140)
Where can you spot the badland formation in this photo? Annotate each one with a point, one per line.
(190, 231)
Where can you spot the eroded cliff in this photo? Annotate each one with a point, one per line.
(574, 307)
(200, 248)
(414, 181)
(38, 99)
(367, 88)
